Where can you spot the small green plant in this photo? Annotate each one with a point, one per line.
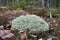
(19, 5)
(32, 24)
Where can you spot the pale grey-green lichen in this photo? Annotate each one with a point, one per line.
(31, 23)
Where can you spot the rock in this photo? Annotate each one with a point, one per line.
(1, 27)
(2, 33)
(41, 39)
(8, 37)
(23, 35)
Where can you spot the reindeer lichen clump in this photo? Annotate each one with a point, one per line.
(32, 24)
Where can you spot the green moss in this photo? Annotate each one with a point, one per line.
(19, 4)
